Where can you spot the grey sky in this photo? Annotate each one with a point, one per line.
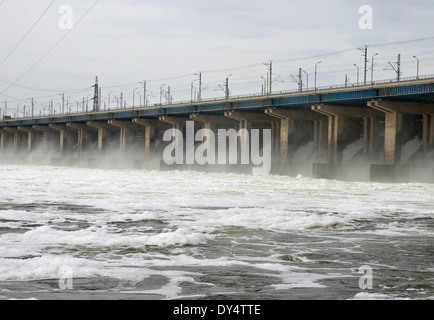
(130, 40)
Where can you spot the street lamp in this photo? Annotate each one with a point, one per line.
(358, 73)
(192, 90)
(264, 86)
(307, 80)
(372, 68)
(109, 100)
(140, 99)
(134, 95)
(417, 66)
(316, 72)
(161, 94)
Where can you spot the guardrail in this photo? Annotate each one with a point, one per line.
(317, 90)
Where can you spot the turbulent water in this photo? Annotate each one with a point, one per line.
(185, 235)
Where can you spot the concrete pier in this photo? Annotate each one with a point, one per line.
(398, 130)
(104, 134)
(297, 127)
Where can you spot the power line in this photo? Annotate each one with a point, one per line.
(226, 70)
(51, 49)
(27, 33)
(42, 90)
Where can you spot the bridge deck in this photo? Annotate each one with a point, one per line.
(412, 90)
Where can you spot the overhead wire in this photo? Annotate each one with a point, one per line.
(51, 48)
(27, 33)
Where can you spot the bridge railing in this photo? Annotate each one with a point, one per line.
(317, 90)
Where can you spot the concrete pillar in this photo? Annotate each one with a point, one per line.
(212, 123)
(335, 135)
(17, 138)
(208, 125)
(394, 111)
(371, 127)
(65, 138)
(103, 133)
(3, 140)
(289, 124)
(126, 127)
(320, 135)
(428, 132)
(431, 134)
(340, 133)
(150, 132)
(177, 123)
(49, 137)
(83, 136)
(31, 137)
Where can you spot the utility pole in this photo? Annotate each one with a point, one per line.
(161, 94)
(96, 96)
(199, 94)
(227, 88)
(33, 107)
(269, 76)
(300, 80)
(365, 54)
(398, 68)
(122, 100)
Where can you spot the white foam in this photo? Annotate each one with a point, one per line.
(119, 210)
(375, 296)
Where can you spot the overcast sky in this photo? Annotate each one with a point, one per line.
(129, 41)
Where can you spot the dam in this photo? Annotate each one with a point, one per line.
(379, 118)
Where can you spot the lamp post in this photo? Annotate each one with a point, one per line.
(307, 80)
(418, 61)
(109, 100)
(358, 73)
(372, 68)
(192, 90)
(264, 86)
(316, 73)
(134, 95)
(140, 99)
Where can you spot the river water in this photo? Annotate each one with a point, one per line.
(72, 233)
